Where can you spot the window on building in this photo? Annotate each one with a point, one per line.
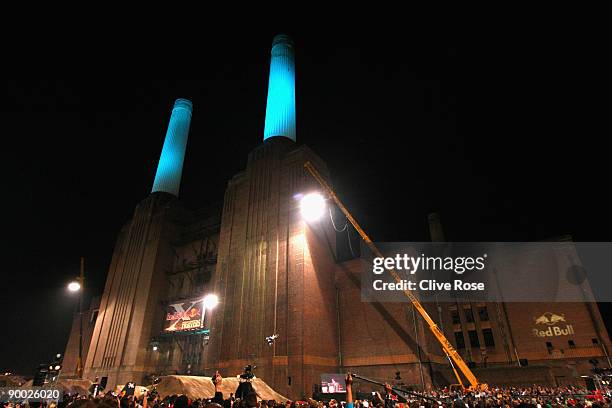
(571, 344)
(483, 314)
(549, 346)
(469, 316)
(455, 316)
(474, 338)
(459, 340)
(595, 341)
(487, 334)
(94, 317)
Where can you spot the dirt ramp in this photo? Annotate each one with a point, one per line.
(202, 387)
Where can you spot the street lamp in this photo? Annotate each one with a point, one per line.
(77, 286)
(312, 207)
(74, 286)
(210, 301)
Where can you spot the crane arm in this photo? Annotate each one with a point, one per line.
(446, 345)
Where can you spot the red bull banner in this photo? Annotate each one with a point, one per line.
(187, 315)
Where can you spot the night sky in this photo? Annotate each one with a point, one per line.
(380, 109)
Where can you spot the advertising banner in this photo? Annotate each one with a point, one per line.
(185, 315)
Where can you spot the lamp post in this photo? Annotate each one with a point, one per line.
(78, 286)
(209, 302)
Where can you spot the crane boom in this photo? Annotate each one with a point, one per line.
(446, 345)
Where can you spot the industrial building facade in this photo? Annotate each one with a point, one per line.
(287, 305)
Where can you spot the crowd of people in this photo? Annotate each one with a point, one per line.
(507, 397)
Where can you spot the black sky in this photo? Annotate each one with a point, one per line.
(380, 109)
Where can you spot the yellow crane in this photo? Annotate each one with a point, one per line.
(448, 348)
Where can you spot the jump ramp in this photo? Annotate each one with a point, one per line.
(202, 387)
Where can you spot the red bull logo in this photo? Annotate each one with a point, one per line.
(551, 320)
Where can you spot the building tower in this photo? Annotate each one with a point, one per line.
(266, 272)
(129, 307)
(170, 167)
(280, 109)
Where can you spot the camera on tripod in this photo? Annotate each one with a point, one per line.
(248, 374)
(245, 387)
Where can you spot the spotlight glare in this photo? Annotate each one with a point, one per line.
(312, 207)
(210, 301)
(154, 348)
(74, 286)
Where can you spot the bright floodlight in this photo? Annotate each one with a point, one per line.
(312, 207)
(210, 301)
(154, 348)
(74, 286)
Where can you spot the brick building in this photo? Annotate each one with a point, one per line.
(277, 275)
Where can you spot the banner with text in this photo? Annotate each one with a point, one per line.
(488, 271)
(185, 315)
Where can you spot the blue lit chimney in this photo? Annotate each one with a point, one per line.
(170, 167)
(280, 110)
